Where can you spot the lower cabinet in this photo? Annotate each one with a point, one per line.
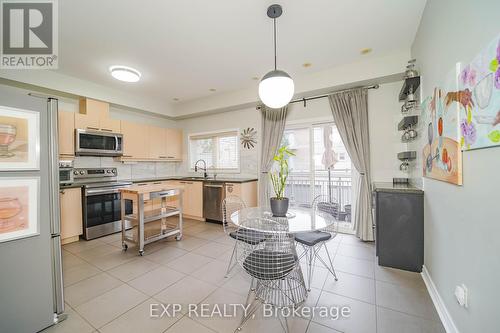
(71, 214)
(246, 191)
(192, 198)
(399, 219)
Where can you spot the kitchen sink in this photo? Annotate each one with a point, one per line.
(195, 178)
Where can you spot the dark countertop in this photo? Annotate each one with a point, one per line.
(62, 187)
(192, 179)
(391, 187)
(184, 178)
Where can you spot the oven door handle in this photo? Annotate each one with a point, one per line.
(90, 193)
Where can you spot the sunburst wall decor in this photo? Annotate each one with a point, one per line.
(248, 138)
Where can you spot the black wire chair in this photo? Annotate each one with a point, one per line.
(277, 278)
(230, 205)
(313, 241)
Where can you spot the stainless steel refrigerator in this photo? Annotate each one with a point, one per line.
(31, 288)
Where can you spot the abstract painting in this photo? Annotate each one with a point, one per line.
(479, 84)
(442, 154)
(19, 139)
(18, 208)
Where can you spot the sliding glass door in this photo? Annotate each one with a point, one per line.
(321, 166)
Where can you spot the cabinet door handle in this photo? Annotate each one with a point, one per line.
(143, 184)
(163, 157)
(157, 183)
(126, 155)
(93, 128)
(170, 157)
(106, 130)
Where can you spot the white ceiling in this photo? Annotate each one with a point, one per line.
(183, 48)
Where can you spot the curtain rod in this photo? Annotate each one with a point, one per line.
(305, 99)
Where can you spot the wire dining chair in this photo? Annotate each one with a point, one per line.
(277, 278)
(313, 241)
(230, 205)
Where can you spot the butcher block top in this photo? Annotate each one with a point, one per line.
(148, 190)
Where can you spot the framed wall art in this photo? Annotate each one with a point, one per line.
(442, 153)
(19, 139)
(479, 82)
(19, 208)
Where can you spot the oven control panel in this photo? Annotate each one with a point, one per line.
(80, 173)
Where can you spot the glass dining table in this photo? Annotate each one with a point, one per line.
(298, 219)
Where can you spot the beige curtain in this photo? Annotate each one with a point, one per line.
(273, 126)
(350, 112)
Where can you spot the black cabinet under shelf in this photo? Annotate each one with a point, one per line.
(399, 220)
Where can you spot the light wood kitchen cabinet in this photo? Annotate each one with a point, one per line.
(192, 198)
(246, 191)
(66, 129)
(110, 125)
(157, 142)
(173, 143)
(135, 140)
(84, 121)
(165, 143)
(93, 107)
(71, 214)
(94, 115)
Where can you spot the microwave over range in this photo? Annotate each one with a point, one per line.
(98, 143)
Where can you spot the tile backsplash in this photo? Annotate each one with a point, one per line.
(133, 170)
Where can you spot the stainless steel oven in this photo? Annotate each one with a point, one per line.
(98, 143)
(102, 210)
(101, 201)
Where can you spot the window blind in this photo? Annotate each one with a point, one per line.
(219, 150)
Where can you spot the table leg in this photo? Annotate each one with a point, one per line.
(140, 214)
(179, 236)
(122, 209)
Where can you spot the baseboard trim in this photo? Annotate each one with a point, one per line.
(441, 309)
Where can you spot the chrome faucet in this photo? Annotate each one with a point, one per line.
(196, 167)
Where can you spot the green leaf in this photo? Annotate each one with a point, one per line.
(494, 65)
(494, 136)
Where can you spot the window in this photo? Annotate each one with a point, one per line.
(219, 150)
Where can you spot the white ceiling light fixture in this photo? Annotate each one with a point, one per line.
(276, 87)
(124, 73)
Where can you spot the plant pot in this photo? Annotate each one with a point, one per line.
(279, 207)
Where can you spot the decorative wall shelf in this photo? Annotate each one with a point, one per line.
(407, 155)
(407, 122)
(413, 83)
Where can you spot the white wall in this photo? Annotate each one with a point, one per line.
(383, 107)
(462, 223)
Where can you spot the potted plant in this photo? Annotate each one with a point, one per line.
(279, 204)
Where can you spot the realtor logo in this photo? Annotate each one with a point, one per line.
(29, 34)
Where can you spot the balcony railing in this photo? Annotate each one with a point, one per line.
(301, 191)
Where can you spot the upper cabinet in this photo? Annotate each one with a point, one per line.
(66, 129)
(135, 141)
(174, 144)
(94, 115)
(165, 143)
(140, 142)
(157, 142)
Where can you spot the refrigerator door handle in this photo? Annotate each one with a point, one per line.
(55, 223)
(58, 279)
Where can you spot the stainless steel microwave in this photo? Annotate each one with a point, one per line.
(98, 143)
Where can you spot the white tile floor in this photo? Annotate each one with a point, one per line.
(107, 290)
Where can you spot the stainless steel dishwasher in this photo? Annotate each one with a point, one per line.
(213, 194)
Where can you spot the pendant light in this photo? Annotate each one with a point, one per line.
(276, 87)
